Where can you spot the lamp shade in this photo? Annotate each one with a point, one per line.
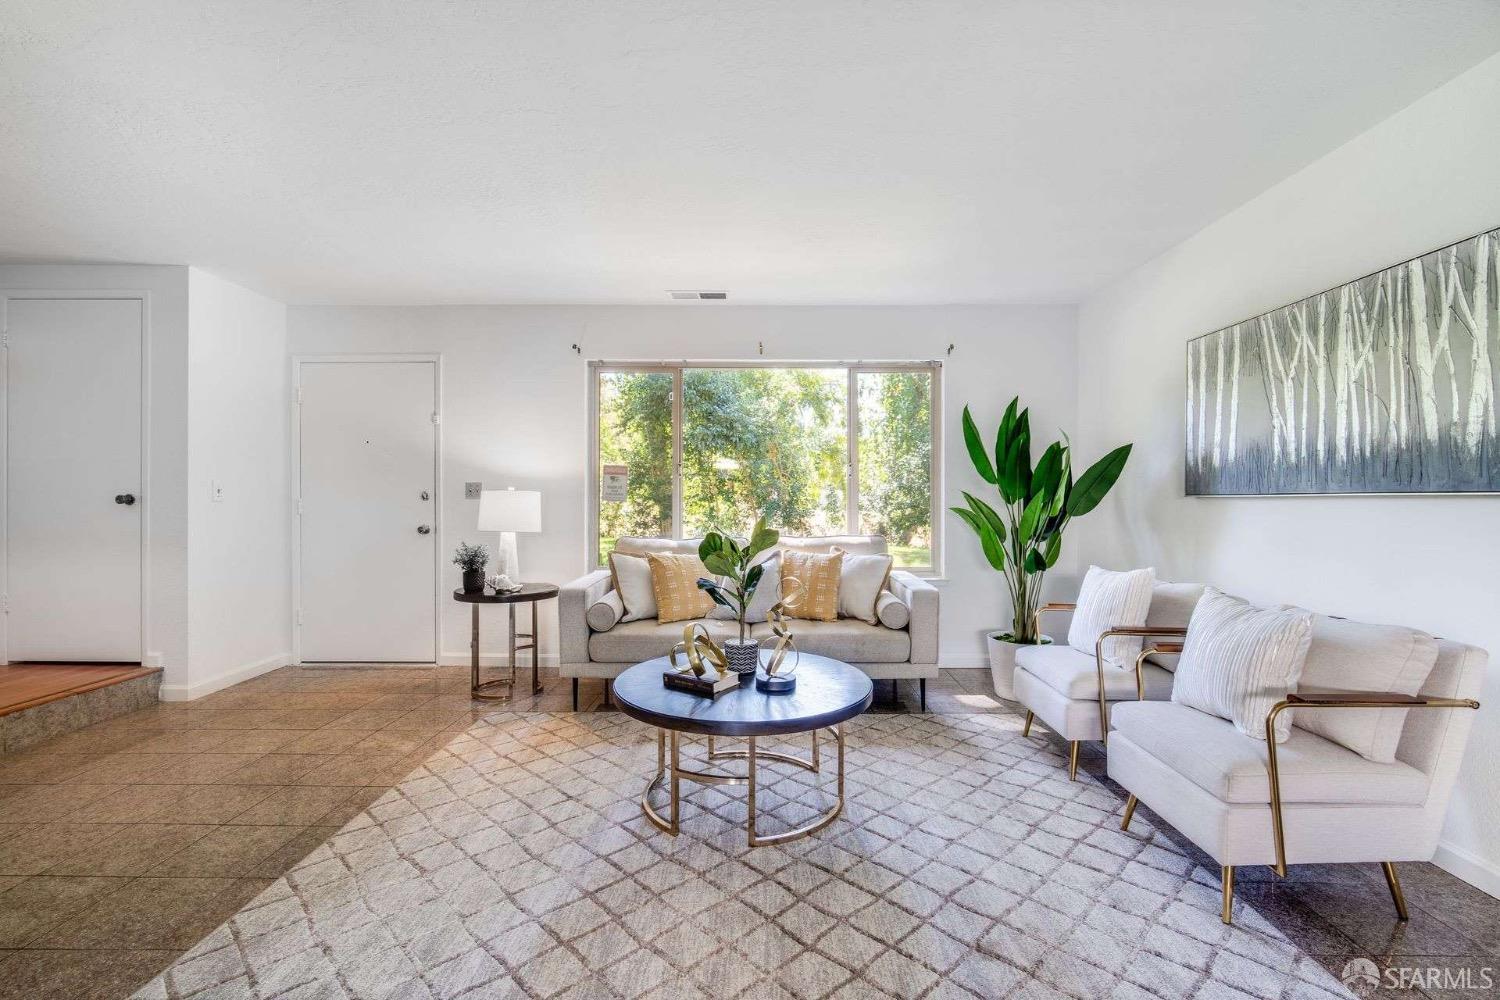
(510, 510)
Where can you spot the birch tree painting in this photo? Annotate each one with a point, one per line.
(1384, 385)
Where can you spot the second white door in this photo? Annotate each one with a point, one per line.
(368, 511)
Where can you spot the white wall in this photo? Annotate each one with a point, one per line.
(164, 494)
(239, 564)
(515, 412)
(1422, 179)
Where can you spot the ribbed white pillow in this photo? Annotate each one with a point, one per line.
(1239, 660)
(1111, 598)
(633, 582)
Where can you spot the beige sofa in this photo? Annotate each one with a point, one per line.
(882, 653)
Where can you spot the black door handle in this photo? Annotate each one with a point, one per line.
(125, 498)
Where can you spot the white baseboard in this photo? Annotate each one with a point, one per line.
(523, 660)
(1481, 874)
(151, 660)
(188, 692)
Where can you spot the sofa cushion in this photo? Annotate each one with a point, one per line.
(862, 580)
(848, 639)
(1109, 598)
(1354, 656)
(1222, 761)
(1239, 660)
(632, 545)
(1172, 606)
(674, 580)
(1071, 672)
(605, 613)
(632, 642)
(858, 545)
(631, 576)
(815, 596)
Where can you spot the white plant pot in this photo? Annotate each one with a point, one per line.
(1003, 663)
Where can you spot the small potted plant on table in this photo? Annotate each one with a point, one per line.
(472, 559)
(1025, 541)
(731, 563)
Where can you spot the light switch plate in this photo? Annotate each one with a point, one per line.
(472, 490)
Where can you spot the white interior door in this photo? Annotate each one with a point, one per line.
(73, 479)
(368, 489)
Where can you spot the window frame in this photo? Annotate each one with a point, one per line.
(853, 369)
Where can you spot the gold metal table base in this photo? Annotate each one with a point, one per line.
(672, 773)
(490, 690)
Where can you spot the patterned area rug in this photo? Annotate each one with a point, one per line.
(516, 863)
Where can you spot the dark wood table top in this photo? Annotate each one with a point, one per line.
(828, 692)
(528, 592)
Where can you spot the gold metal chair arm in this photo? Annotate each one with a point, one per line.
(1332, 699)
(1113, 630)
(1036, 618)
(1140, 661)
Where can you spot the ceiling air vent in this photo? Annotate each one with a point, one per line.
(695, 293)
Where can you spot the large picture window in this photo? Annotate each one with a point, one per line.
(818, 449)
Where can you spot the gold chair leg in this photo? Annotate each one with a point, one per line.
(1226, 874)
(1129, 812)
(1025, 730)
(1073, 761)
(1394, 882)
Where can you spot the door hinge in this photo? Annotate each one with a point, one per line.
(436, 419)
(299, 616)
(299, 506)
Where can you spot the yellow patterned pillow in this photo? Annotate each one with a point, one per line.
(674, 579)
(818, 573)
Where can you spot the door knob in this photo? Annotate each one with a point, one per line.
(424, 529)
(125, 499)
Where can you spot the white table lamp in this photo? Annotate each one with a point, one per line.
(509, 511)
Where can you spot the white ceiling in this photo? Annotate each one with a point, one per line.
(829, 151)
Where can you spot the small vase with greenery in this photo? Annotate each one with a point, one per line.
(735, 586)
(1023, 539)
(472, 560)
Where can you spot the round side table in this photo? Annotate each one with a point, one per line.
(530, 593)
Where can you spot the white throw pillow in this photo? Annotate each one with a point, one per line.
(1239, 660)
(633, 583)
(767, 593)
(605, 613)
(1109, 598)
(861, 579)
(1354, 656)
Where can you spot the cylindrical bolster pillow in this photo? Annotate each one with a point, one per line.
(892, 611)
(606, 612)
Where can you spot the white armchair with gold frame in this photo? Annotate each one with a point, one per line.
(1311, 799)
(1070, 690)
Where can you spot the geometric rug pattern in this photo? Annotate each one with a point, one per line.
(516, 863)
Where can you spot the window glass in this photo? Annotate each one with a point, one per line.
(634, 479)
(895, 462)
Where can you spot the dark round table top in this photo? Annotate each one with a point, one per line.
(828, 692)
(528, 592)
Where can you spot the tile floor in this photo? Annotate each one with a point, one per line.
(123, 845)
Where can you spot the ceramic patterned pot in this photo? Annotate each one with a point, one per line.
(743, 656)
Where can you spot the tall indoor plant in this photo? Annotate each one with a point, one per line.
(1023, 539)
(737, 579)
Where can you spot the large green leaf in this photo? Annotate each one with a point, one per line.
(720, 564)
(762, 538)
(976, 449)
(1031, 520)
(1005, 431)
(970, 518)
(752, 578)
(712, 542)
(1048, 473)
(994, 550)
(987, 512)
(1064, 484)
(714, 591)
(1053, 549)
(1036, 562)
(1023, 454)
(1097, 481)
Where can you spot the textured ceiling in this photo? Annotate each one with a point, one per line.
(823, 151)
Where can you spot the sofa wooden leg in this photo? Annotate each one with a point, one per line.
(922, 688)
(1129, 812)
(1393, 881)
(1073, 761)
(1226, 875)
(575, 694)
(1026, 729)
(607, 703)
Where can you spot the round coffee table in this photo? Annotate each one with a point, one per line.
(828, 694)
